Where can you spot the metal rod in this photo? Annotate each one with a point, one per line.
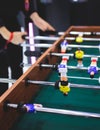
(56, 38)
(43, 38)
(69, 67)
(77, 33)
(42, 82)
(4, 80)
(71, 85)
(70, 54)
(83, 78)
(84, 86)
(54, 66)
(31, 53)
(44, 45)
(74, 67)
(40, 108)
(12, 105)
(85, 33)
(83, 46)
(68, 112)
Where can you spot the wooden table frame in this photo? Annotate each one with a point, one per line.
(20, 92)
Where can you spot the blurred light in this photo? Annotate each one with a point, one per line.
(46, 1)
(78, 1)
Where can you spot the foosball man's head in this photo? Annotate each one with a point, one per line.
(79, 38)
(92, 74)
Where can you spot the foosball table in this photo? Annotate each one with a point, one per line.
(60, 90)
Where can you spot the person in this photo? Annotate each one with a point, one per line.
(11, 36)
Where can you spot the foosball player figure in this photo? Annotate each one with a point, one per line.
(63, 84)
(63, 46)
(64, 87)
(79, 38)
(62, 67)
(79, 55)
(29, 108)
(93, 69)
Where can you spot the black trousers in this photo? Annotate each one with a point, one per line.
(11, 57)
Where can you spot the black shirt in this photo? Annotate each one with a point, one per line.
(9, 10)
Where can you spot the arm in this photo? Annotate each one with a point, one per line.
(41, 23)
(38, 21)
(17, 36)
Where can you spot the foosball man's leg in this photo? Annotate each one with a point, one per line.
(80, 63)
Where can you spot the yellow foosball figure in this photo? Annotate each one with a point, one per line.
(64, 87)
(79, 38)
(79, 55)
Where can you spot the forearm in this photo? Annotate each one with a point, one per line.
(36, 18)
(16, 38)
(4, 32)
(41, 23)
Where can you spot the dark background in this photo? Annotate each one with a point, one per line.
(64, 13)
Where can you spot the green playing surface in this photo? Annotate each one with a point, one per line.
(87, 100)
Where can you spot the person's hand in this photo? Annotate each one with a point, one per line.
(17, 38)
(41, 23)
(13, 37)
(44, 26)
